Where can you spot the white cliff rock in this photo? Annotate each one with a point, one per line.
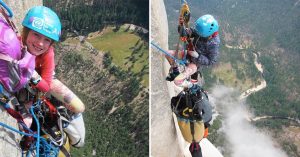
(165, 141)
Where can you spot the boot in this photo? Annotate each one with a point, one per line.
(172, 74)
(195, 149)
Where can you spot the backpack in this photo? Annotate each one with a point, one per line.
(193, 111)
(16, 65)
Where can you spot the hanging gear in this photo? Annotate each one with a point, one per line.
(192, 109)
(185, 13)
(44, 21)
(52, 118)
(190, 122)
(184, 19)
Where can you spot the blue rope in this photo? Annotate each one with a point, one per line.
(10, 13)
(49, 149)
(38, 127)
(182, 62)
(15, 130)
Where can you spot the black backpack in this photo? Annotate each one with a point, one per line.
(198, 102)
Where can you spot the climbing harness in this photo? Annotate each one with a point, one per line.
(46, 117)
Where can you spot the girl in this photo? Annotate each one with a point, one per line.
(42, 28)
(206, 41)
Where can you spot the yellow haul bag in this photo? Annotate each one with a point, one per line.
(66, 147)
(193, 111)
(185, 128)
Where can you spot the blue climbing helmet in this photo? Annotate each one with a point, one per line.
(44, 21)
(206, 25)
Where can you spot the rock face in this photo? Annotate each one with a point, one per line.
(9, 141)
(20, 7)
(164, 139)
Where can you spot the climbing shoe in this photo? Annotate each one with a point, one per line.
(172, 74)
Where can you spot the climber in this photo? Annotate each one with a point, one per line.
(202, 45)
(42, 28)
(39, 35)
(203, 48)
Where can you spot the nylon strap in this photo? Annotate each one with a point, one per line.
(65, 151)
(191, 115)
(6, 58)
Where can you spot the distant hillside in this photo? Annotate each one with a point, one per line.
(127, 49)
(116, 115)
(87, 16)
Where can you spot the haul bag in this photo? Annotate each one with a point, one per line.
(185, 128)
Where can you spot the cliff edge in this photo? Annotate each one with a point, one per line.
(164, 139)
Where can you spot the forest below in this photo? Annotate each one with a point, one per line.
(86, 16)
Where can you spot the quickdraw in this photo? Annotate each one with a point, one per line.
(184, 18)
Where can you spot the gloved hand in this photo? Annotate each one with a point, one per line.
(182, 31)
(196, 95)
(194, 54)
(188, 32)
(195, 88)
(181, 20)
(173, 73)
(35, 78)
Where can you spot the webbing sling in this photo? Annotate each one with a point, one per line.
(5, 99)
(191, 114)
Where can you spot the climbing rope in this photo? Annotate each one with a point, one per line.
(179, 61)
(10, 13)
(48, 148)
